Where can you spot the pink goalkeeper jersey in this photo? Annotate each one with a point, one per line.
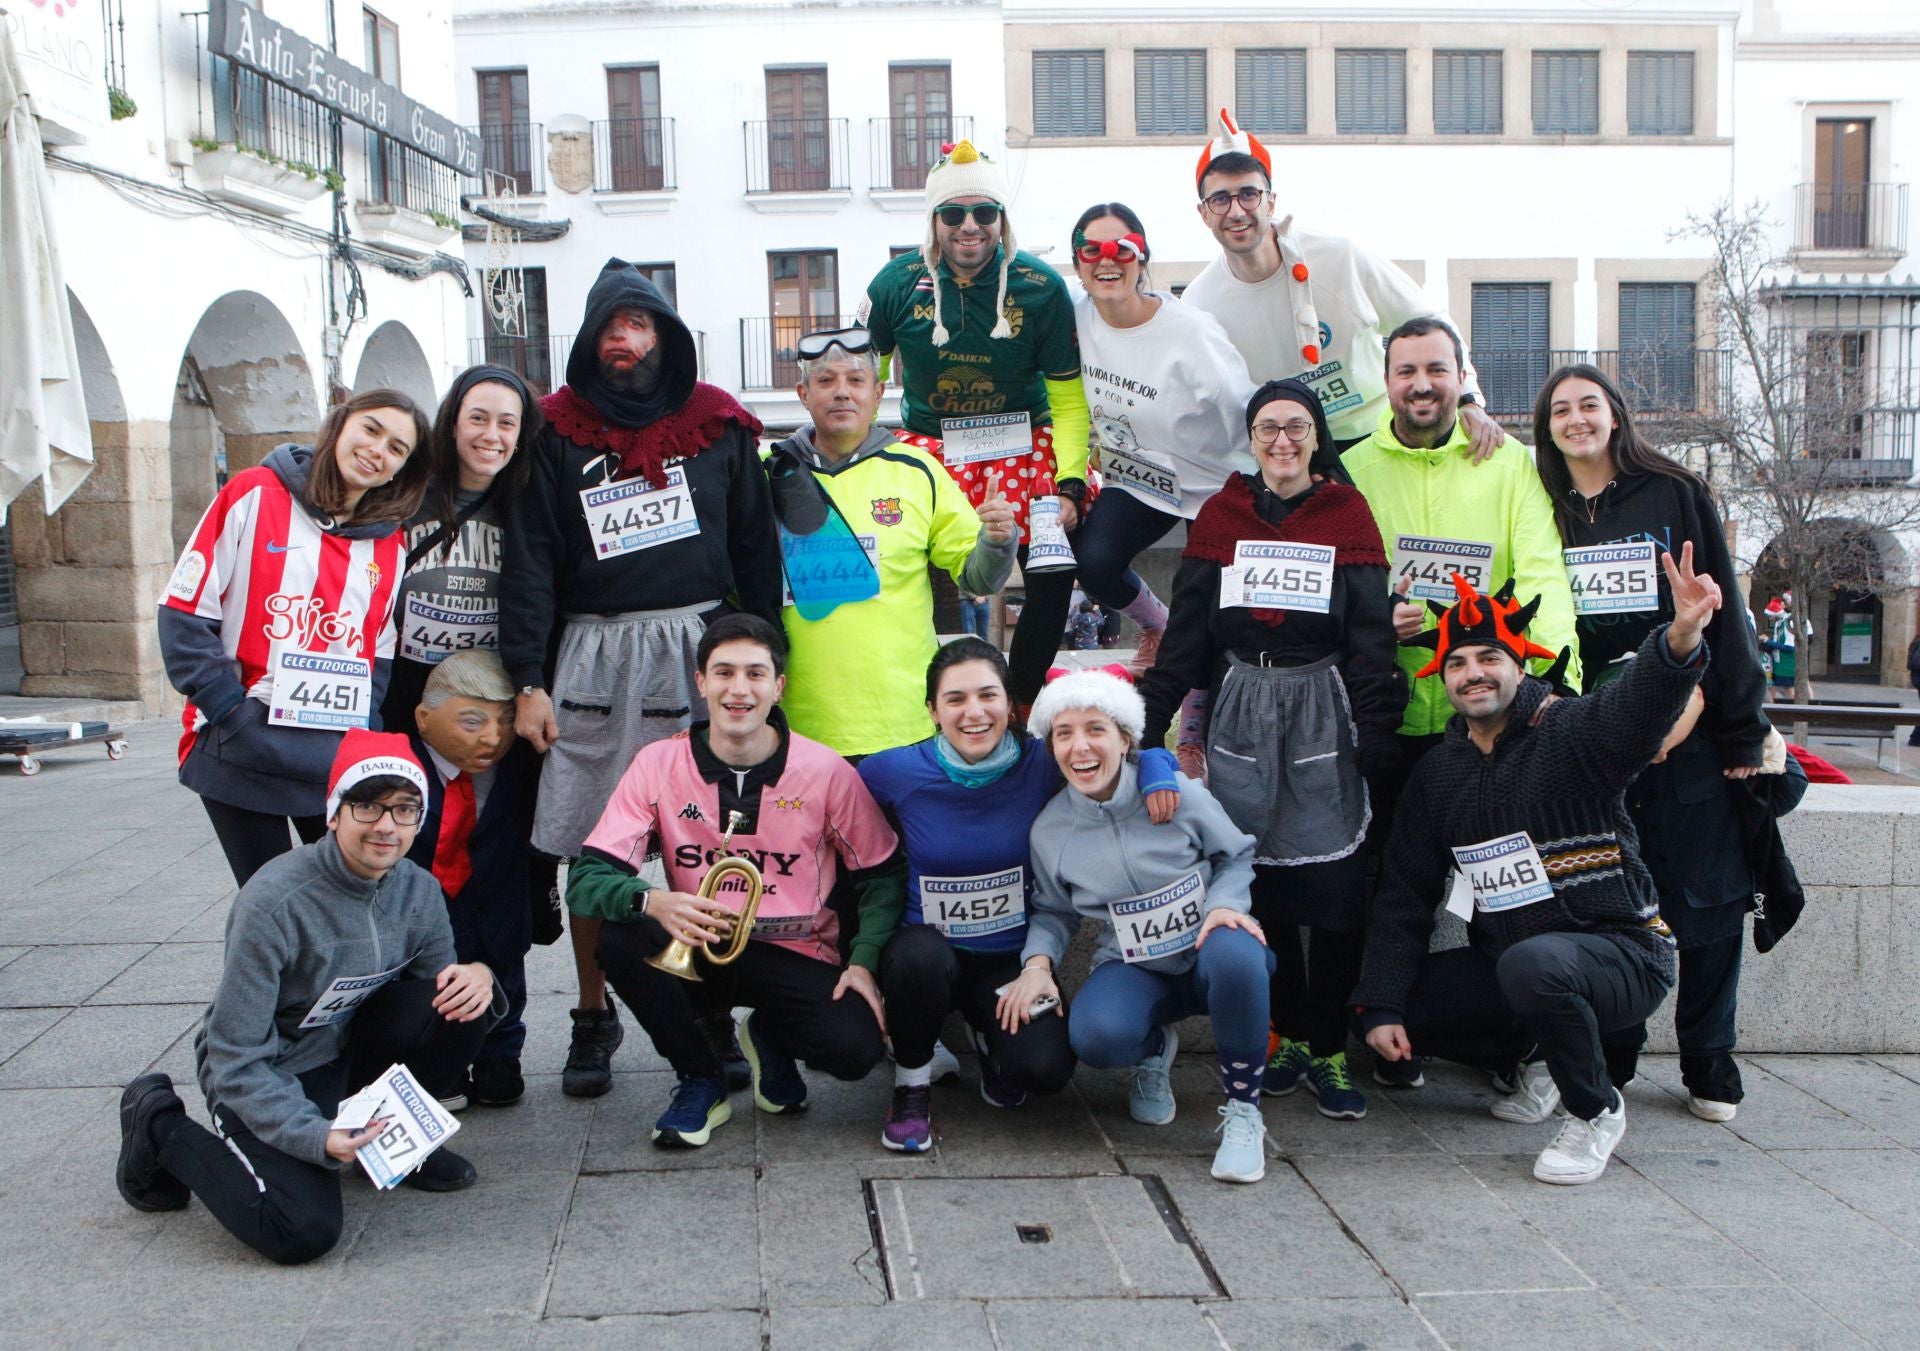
(801, 825)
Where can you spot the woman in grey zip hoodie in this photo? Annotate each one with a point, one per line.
(1175, 937)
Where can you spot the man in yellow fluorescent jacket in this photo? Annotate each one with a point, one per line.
(861, 516)
(1440, 512)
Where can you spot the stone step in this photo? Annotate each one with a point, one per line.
(118, 712)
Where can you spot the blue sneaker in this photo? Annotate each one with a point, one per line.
(1150, 1088)
(1287, 1067)
(777, 1085)
(1241, 1156)
(1333, 1086)
(696, 1107)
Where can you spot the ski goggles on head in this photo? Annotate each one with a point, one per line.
(1128, 248)
(852, 340)
(983, 213)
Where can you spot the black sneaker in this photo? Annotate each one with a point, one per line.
(460, 1097)
(1409, 1073)
(596, 1036)
(143, 1183)
(719, 1031)
(496, 1083)
(444, 1171)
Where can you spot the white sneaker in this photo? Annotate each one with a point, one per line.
(1150, 1087)
(944, 1065)
(1579, 1153)
(1709, 1110)
(1536, 1098)
(1241, 1156)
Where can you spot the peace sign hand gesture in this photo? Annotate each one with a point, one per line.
(1695, 597)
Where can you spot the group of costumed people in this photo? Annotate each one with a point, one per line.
(1405, 664)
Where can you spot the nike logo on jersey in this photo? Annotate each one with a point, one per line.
(273, 548)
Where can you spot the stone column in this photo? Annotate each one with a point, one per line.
(91, 575)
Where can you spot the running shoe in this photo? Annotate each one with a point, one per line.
(596, 1036)
(995, 1090)
(777, 1085)
(1579, 1153)
(1150, 1089)
(1535, 1098)
(909, 1128)
(695, 1109)
(1286, 1067)
(143, 1183)
(1242, 1156)
(1333, 1087)
(1410, 1073)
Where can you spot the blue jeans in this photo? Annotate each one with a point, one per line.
(1118, 527)
(1117, 1014)
(973, 617)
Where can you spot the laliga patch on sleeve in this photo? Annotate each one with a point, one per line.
(188, 573)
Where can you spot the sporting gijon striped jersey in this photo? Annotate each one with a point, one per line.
(266, 571)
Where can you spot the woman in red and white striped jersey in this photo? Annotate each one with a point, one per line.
(277, 621)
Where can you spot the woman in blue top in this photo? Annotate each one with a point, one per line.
(964, 800)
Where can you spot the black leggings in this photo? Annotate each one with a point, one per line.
(251, 839)
(803, 1020)
(288, 1209)
(1036, 638)
(1118, 528)
(1309, 990)
(923, 978)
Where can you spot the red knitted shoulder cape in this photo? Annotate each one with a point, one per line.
(683, 434)
(1336, 514)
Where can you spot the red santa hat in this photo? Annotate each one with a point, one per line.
(367, 755)
(1232, 141)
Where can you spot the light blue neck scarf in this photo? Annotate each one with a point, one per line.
(998, 762)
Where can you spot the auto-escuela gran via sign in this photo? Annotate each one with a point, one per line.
(249, 38)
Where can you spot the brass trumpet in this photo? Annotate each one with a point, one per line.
(676, 959)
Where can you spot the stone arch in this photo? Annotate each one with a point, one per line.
(91, 574)
(393, 359)
(244, 386)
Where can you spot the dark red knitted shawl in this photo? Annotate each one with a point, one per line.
(1336, 514)
(646, 450)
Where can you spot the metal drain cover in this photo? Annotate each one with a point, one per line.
(1034, 1238)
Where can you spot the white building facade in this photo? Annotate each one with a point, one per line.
(760, 162)
(219, 305)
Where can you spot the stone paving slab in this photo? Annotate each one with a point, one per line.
(1796, 1225)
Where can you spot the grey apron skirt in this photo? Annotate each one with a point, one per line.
(1283, 757)
(620, 682)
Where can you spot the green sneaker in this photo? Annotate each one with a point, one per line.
(1333, 1086)
(1286, 1069)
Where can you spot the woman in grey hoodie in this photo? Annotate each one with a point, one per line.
(1175, 936)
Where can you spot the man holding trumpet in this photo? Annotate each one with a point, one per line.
(740, 786)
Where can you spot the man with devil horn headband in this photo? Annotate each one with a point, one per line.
(1523, 829)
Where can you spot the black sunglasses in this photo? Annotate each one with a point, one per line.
(983, 213)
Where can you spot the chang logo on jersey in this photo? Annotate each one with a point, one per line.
(886, 511)
(306, 619)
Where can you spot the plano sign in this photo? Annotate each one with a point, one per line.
(249, 38)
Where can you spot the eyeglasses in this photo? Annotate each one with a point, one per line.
(1298, 429)
(1246, 198)
(983, 213)
(1127, 249)
(853, 340)
(369, 813)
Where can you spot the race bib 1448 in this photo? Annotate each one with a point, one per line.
(1161, 922)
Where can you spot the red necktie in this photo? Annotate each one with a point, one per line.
(452, 865)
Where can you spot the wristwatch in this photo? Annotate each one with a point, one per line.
(1468, 399)
(529, 689)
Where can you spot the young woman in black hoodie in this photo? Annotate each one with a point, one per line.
(1610, 487)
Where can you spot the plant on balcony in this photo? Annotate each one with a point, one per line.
(1802, 448)
(120, 104)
